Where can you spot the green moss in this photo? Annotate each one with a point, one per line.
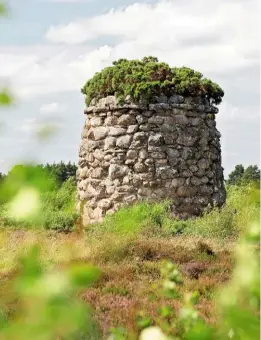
(148, 78)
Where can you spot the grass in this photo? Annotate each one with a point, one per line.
(130, 269)
(129, 248)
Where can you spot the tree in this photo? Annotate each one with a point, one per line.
(252, 173)
(2, 176)
(236, 175)
(61, 171)
(240, 175)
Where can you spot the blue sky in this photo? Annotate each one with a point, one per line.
(51, 47)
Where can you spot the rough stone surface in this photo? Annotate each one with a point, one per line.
(133, 152)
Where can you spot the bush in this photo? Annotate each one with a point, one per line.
(143, 217)
(232, 219)
(148, 78)
(57, 210)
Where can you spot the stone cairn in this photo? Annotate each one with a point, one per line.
(164, 151)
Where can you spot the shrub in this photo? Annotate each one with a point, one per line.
(143, 217)
(56, 211)
(149, 78)
(47, 303)
(232, 219)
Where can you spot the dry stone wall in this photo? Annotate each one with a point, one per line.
(169, 150)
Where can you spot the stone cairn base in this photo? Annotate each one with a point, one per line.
(164, 151)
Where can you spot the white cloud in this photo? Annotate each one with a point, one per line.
(223, 35)
(52, 108)
(45, 72)
(28, 125)
(217, 39)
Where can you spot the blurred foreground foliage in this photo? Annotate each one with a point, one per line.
(238, 303)
(47, 303)
(31, 196)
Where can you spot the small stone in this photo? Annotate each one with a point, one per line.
(130, 161)
(203, 164)
(186, 140)
(116, 171)
(98, 154)
(149, 161)
(206, 190)
(98, 214)
(196, 121)
(176, 182)
(189, 191)
(126, 120)
(108, 157)
(111, 121)
(195, 180)
(210, 174)
(169, 120)
(141, 119)
(158, 120)
(147, 113)
(168, 128)
(145, 127)
(156, 139)
(176, 99)
(161, 99)
(105, 204)
(124, 141)
(116, 131)
(143, 154)
(204, 180)
(193, 168)
(90, 157)
(97, 133)
(132, 129)
(161, 161)
(96, 121)
(130, 199)
(181, 119)
(186, 173)
(140, 167)
(140, 136)
(126, 180)
(157, 155)
(109, 143)
(145, 192)
(186, 153)
(132, 154)
(117, 113)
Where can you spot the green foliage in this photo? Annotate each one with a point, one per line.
(47, 302)
(242, 176)
(61, 171)
(56, 206)
(148, 78)
(237, 303)
(59, 207)
(141, 217)
(242, 206)
(24, 176)
(5, 97)
(3, 11)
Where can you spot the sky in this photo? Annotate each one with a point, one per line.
(50, 48)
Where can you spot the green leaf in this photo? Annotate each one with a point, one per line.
(5, 97)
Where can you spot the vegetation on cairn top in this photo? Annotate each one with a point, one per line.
(149, 78)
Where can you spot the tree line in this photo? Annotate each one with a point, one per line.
(61, 171)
